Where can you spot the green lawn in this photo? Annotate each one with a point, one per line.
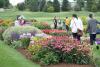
(43, 16)
(96, 55)
(11, 58)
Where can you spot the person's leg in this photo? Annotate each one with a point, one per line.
(94, 37)
(91, 39)
(78, 37)
(74, 35)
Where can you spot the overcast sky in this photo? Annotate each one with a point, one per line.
(15, 2)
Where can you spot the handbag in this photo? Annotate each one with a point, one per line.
(79, 32)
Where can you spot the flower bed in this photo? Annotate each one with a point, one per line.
(58, 49)
(41, 25)
(55, 32)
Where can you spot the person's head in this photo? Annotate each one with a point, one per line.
(75, 16)
(21, 17)
(18, 17)
(66, 17)
(90, 15)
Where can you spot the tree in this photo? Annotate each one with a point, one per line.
(80, 4)
(49, 7)
(98, 5)
(32, 5)
(65, 5)
(21, 6)
(4, 3)
(42, 5)
(56, 6)
(89, 4)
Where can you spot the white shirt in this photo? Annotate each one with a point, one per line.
(76, 24)
(17, 23)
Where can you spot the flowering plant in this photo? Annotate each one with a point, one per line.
(68, 50)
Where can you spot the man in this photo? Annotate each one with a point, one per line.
(91, 28)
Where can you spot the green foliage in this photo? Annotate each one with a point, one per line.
(4, 3)
(16, 44)
(18, 30)
(2, 29)
(84, 20)
(62, 49)
(98, 5)
(42, 5)
(80, 4)
(41, 25)
(25, 42)
(34, 48)
(45, 56)
(92, 5)
(21, 6)
(77, 7)
(56, 6)
(65, 5)
(94, 8)
(49, 7)
(32, 5)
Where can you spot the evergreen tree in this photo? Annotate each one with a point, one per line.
(42, 5)
(32, 5)
(21, 6)
(80, 4)
(56, 5)
(89, 4)
(65, 5)
(98, 5)
(4, 3)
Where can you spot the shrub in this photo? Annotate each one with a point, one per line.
(50, 9)
(15, 32)
(84, 19)
(2, 29)
(47, 31)
(25, 42)
(16, 44)
(41, 25)
(46, 57)
(62, 49)
(7, 22)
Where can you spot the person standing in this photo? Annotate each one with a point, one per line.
(75, 25)
(67, 23)
(91, 28)
(55, 22)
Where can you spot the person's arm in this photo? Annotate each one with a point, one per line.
(71, 23)
(88, 27)
(97, 22)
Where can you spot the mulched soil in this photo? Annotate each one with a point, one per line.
(28, 55)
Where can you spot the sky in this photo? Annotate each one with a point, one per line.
(15, 2)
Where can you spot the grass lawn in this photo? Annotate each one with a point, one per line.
(96, 55)
(11, 58)
(43, 16)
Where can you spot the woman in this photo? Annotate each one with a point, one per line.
(20, 21)
(76, 24)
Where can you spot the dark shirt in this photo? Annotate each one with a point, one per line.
(92, 26)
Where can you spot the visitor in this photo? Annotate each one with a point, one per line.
(55, 22)
(75, 25)
(20, 21)
(91, 28)
(67, 22)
